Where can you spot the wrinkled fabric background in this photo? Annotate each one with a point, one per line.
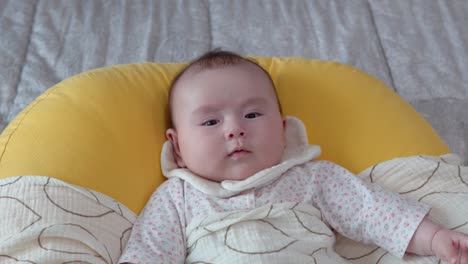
(419, 48)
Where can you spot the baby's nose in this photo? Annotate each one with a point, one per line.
(235, 133)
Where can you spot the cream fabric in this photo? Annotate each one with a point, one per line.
(441, 182)
(295, 232)
(45, 220)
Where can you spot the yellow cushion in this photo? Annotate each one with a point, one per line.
(104, 129)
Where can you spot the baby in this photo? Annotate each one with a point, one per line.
(241, 189)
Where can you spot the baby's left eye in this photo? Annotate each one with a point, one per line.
(252, 115)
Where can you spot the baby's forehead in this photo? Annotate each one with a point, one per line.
(195, 70)
(183, 84)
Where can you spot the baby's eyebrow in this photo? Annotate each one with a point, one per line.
(204, 109)
(211, 108)
(255, 101)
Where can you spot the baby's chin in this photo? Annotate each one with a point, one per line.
(234, 176)
(239, 177)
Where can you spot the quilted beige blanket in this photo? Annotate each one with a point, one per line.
(441, 182)
(44, 220)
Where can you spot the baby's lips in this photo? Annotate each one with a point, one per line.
(237, 154)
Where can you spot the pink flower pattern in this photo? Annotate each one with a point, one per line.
(356, 209)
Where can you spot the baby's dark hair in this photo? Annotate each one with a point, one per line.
(215, 59)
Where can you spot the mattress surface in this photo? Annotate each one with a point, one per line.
(418, 48)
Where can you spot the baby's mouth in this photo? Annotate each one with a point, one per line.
(238, 153)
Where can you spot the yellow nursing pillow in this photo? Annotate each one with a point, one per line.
(104, 129)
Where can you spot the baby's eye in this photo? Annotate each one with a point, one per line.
(252, 115)
(211, 122)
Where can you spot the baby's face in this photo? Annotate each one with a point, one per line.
(228, 123)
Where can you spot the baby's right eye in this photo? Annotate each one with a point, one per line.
(211, 122)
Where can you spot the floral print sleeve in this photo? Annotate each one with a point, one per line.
(158, 235)
(363, 211)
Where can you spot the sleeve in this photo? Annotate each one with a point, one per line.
(158, 234)
(364, 211)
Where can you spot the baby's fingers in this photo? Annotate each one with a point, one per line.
(463, 252)
(454, 256)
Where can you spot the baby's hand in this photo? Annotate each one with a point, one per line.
(450, 246)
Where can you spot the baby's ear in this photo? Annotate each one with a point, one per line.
(171, 135)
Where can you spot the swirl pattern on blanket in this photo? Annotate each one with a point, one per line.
(441, 182)
(278, 233)
(45, 220)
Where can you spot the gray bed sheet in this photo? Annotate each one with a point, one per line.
(419, 48)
